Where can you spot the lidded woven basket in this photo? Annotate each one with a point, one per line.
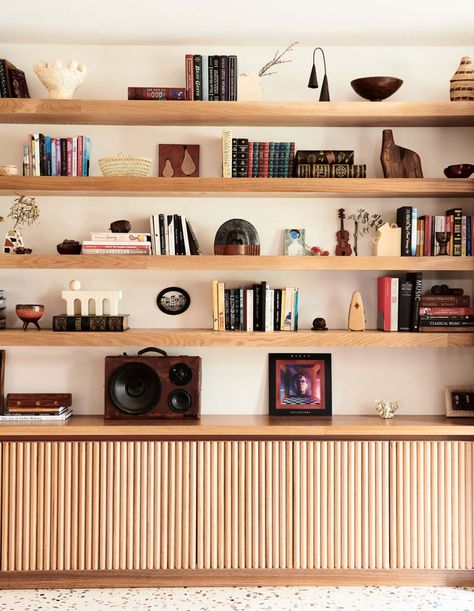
(125, 165)
(462, 83)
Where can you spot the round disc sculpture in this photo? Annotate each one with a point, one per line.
(236, 237)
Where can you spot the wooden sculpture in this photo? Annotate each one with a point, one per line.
(398, 162)
(356, 321)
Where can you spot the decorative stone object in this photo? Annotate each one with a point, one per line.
(60, 81)
(319, 324)
(13, 241)
(386, 409)
(462, 83)
(388, 240)
(85, 297)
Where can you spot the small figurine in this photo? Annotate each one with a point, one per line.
(319, 324)
(343, 248)
(356, 319)
(386, 409)
(88, 298)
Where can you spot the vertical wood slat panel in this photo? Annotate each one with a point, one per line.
(338, 499)
(436, 482)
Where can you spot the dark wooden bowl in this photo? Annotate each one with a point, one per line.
(460, 170)
(376, 88)
(69, 247)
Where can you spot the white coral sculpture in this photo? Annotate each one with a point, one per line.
(386, 409)
(60, 81)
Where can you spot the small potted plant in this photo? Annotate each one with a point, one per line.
(23, 211)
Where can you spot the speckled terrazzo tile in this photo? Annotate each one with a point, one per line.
(341, 598)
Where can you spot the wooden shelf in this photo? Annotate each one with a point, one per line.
(295, 114)
(154, 186)
(235, 426)
(212, 262)
(236, 339)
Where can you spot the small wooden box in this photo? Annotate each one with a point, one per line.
(51, 400)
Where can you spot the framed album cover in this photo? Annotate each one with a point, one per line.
(300, 384)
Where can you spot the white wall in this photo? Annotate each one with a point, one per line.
(235, 380)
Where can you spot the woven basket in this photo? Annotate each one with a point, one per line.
(122, 165)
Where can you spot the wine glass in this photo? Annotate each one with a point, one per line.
(442, 237)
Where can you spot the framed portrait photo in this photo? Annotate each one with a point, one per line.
(459, 401)
(300, 384)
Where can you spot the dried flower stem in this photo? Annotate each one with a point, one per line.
(24, 211)
(277, 59)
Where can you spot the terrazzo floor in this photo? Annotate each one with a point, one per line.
(342, 598)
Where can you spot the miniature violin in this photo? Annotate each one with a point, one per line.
(343, 248)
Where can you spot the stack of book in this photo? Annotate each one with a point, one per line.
(48, 156)
(419, 232)
(243, 158)
(446, 313)
(172, 234)
(328, 164)
(2, 310)
(398, 302)
(256, 308)
(211, 77)
(108, 243)
(37, 407)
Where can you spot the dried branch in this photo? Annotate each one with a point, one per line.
(276, 60)
(24, 211)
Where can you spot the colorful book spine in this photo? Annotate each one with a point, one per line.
(324, 156)
(334, 170)
(189, 74)
(197, 77)
(404, 220)
(387, 303)
(156, 93)
(90, 323)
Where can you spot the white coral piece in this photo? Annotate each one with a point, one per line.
(61, 82)
(386, 409)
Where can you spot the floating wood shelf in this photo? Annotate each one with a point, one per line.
(295, 114)
(236, 339)
(212, 262)
(235, 426)
(154, 186)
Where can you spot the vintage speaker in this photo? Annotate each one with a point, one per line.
(152, 386)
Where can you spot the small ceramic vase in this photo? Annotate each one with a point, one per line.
(462, 83)
(61, 82)
(249, 88)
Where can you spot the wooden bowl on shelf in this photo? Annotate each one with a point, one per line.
(69, 247)
(459, 170)
(376, 88)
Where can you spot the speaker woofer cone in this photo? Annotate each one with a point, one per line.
(134, 388)
(180, 401)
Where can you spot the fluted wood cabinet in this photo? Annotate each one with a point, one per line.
(230, 511)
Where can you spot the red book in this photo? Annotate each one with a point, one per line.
(156, 93)
(445, 311)
(445, 301)
(189, 72)
(250, 168)
(387, 303)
